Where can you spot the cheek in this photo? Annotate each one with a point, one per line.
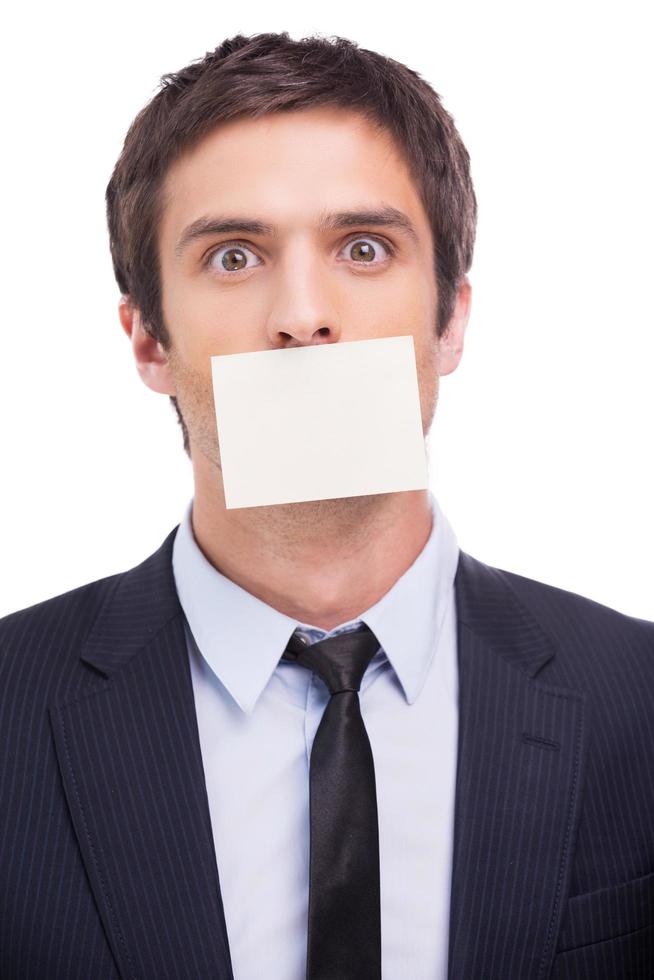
(197, 330)
(209, 322)
(411, 294)
(398, 305)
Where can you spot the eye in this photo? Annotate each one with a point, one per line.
(232, 257)
(368, 251)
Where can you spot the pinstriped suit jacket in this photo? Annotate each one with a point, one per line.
(107, 864)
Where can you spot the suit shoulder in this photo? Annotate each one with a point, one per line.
(61, 619)
(66, 618)
(41, 646)
(573, 618)
(594, 649)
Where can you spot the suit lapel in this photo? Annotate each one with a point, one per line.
(521, 755)
(130, 760)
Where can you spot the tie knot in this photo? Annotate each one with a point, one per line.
(339, 660)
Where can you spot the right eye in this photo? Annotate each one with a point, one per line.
(230, 258)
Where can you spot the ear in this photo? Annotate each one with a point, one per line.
(451, 343)
(151, 358)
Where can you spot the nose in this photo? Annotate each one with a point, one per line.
(303, 308)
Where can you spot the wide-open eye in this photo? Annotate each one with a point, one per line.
(370, 251)
(232, 258)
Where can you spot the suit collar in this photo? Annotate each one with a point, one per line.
(142, 602)
(488, 605)
(146, 598)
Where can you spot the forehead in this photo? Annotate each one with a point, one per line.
(288, 166)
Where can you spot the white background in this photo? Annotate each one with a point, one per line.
(541, 450)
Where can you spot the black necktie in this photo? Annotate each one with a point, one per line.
(344, 930)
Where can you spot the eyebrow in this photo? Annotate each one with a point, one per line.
(328, 221)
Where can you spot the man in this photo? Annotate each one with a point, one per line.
(163, 813)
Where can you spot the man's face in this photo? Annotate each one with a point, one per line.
(328, 241)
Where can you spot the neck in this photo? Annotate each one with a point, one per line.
(322, 562)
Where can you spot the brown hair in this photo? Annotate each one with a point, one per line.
(265, 73)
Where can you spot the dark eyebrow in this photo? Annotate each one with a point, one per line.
(203, 227)
(388, 217)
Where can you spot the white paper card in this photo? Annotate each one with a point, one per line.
(319, 421)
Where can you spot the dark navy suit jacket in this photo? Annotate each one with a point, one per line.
(107, 863)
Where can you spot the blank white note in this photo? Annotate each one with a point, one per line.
(318, 422)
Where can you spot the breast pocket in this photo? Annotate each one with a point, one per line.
(608, 933)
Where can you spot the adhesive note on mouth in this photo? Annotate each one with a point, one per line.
(318, 422)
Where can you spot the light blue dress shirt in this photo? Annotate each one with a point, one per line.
(257, 717)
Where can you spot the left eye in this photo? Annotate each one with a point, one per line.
(366, 250)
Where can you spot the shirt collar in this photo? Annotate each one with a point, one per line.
(242, 638)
